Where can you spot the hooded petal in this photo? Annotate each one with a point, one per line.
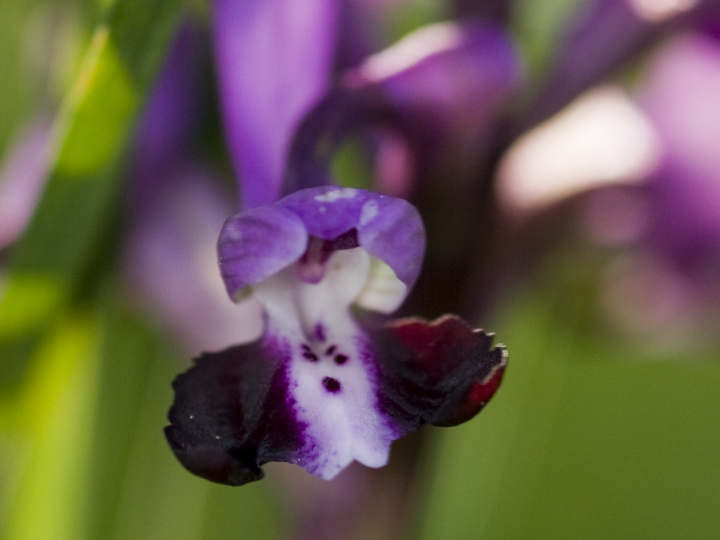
(257, 243)
(274, 59)
(388, 228)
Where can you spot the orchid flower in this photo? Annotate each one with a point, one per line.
(319, 388)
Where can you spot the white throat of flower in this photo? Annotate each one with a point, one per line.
(331, 371)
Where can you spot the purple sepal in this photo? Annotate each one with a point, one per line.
(232, 414)
(257, 243)
(441, 372)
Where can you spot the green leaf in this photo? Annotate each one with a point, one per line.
(45, 438)
(70, 225)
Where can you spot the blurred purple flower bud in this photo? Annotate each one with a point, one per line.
(170, 120)
(666, 290)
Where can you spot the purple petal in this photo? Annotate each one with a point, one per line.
(257, 243)
(392, 230)
(274, 59)
(388, 228)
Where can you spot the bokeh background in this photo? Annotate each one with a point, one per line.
(607, 424)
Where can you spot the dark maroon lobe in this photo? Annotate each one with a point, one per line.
(232, 414)
(441, 372)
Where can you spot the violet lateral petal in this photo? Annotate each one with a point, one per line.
(258, 243)
(274, 59)
(231, 414)
(388, 228)
(441, 372)
(392, 230)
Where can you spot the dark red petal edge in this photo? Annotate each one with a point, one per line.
(441, 372)
(232, 414)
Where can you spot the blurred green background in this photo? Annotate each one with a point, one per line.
(592, 436)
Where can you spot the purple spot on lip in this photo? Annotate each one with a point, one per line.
(331, 385)
(320, 332)
(330, 350)
(340, 359)
(310, 356)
